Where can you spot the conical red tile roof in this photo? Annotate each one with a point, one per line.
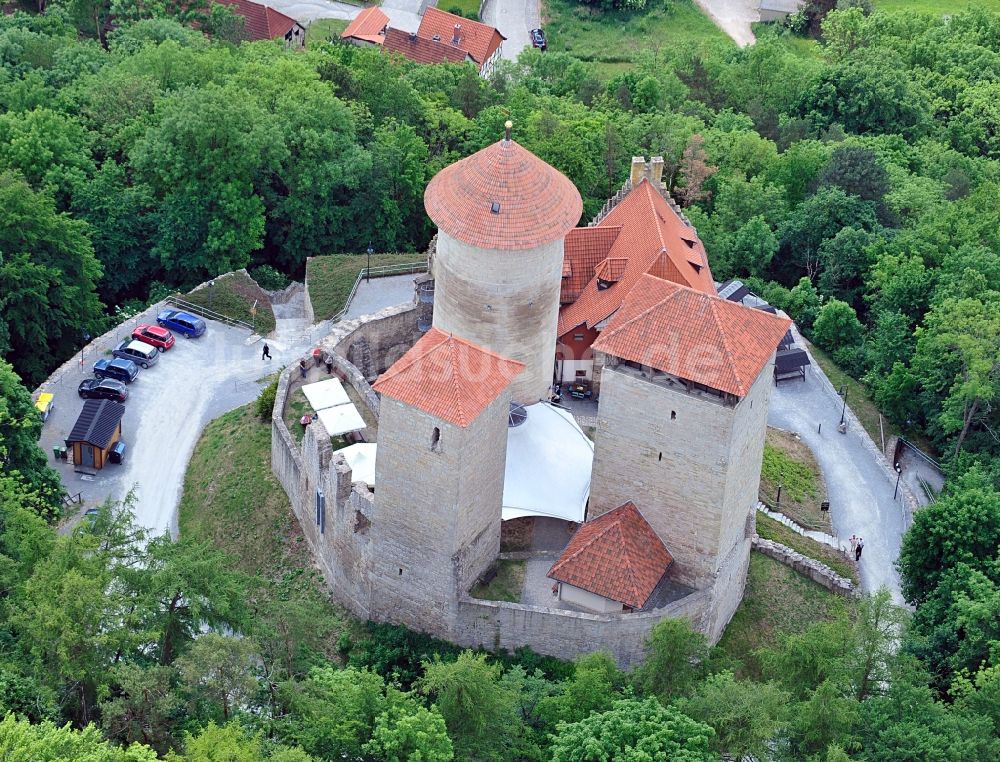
(448, 377)
(617, 555)
(534, 202)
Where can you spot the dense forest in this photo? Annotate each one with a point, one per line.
(858, 189)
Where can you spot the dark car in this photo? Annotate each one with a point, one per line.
(103, 389)
(538, 39)
(183, 323)
(118, 369)
(143, 355)
(158, 337)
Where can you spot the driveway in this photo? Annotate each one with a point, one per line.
(733, 17)
(170, 403)
(860, 487)
(305, 11)
(513, 18)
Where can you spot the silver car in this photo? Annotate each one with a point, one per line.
(143, 355)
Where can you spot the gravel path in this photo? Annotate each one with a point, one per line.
(513, 18)
(859, 483)
(733, 17)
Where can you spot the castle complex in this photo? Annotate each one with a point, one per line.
(656, 504)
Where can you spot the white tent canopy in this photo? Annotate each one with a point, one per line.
(341, 419)
(361, 458)
(549, 460)
(324, 394)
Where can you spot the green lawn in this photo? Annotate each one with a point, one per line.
(769, 529)
(788, 461)
(330, 278)
(234, 295)
(777, 601)
(467, 8)
(324, 30)
(591, 35)
(506, 585)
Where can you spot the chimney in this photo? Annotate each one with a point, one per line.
(458, 34)
(413, 38)
(656, 171)
(638, 170)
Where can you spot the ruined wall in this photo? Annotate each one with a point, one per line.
(568, 634)
(810, 567)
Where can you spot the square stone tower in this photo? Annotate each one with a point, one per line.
(439, 474)
(681, 426)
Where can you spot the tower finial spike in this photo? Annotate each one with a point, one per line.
(507, 126)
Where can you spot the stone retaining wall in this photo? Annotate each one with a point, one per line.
(568, 634)
(816, 571)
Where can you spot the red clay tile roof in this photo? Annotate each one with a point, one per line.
(478, 40)
(421, 50)
(448, 377)
(367, 25)
(262, 22)
(617, 555)
(611, 269)
(695, 336)
(649, 228)
(585, 249)
(535, 203)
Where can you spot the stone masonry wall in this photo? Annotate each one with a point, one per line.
(667, 451)
(568, 634)
(816, 571)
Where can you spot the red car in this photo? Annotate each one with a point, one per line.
(154, 335)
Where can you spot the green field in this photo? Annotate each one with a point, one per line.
(330, 278)
(467, 8)
(324, 30)
(591, 35)
(506, 585)
(777, 601)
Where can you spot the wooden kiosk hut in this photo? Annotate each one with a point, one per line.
(95, 433)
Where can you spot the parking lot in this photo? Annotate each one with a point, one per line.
(167, 407)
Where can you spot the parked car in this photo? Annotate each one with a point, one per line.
(141, 354)
(118, 369)
(154, 335)
(184, 323)
(538, 39)
(103, 389)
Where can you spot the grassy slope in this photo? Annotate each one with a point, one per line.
(324, 30)
(469, 8)
(770, 529)
(936, 6)
(777, 601)
(330, 278)
(618, 37)
(790, 462)
(233, 295)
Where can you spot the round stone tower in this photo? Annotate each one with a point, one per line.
(502, 215)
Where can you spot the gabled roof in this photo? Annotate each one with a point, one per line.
(448, 377)
(585, 249)
(617, 555)
(367, 25)
(262, 22)
(503, 197)
(97, 423)
(479, 40)
(693, 335)
(420, 49)
(652, 237)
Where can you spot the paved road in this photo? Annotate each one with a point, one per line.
(860, 489)
(380, 293)
(733, 17)
(513, 18)
(305, 11)
(170, 403)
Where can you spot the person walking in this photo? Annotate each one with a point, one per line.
(858, 548)
(302, 367)
(854, 543)
(265, 353)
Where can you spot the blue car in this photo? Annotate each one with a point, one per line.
(118, 369)
(183, 323)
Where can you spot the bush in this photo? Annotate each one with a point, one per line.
(265, 402)
(269, 279)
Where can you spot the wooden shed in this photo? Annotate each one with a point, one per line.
(95, 432)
